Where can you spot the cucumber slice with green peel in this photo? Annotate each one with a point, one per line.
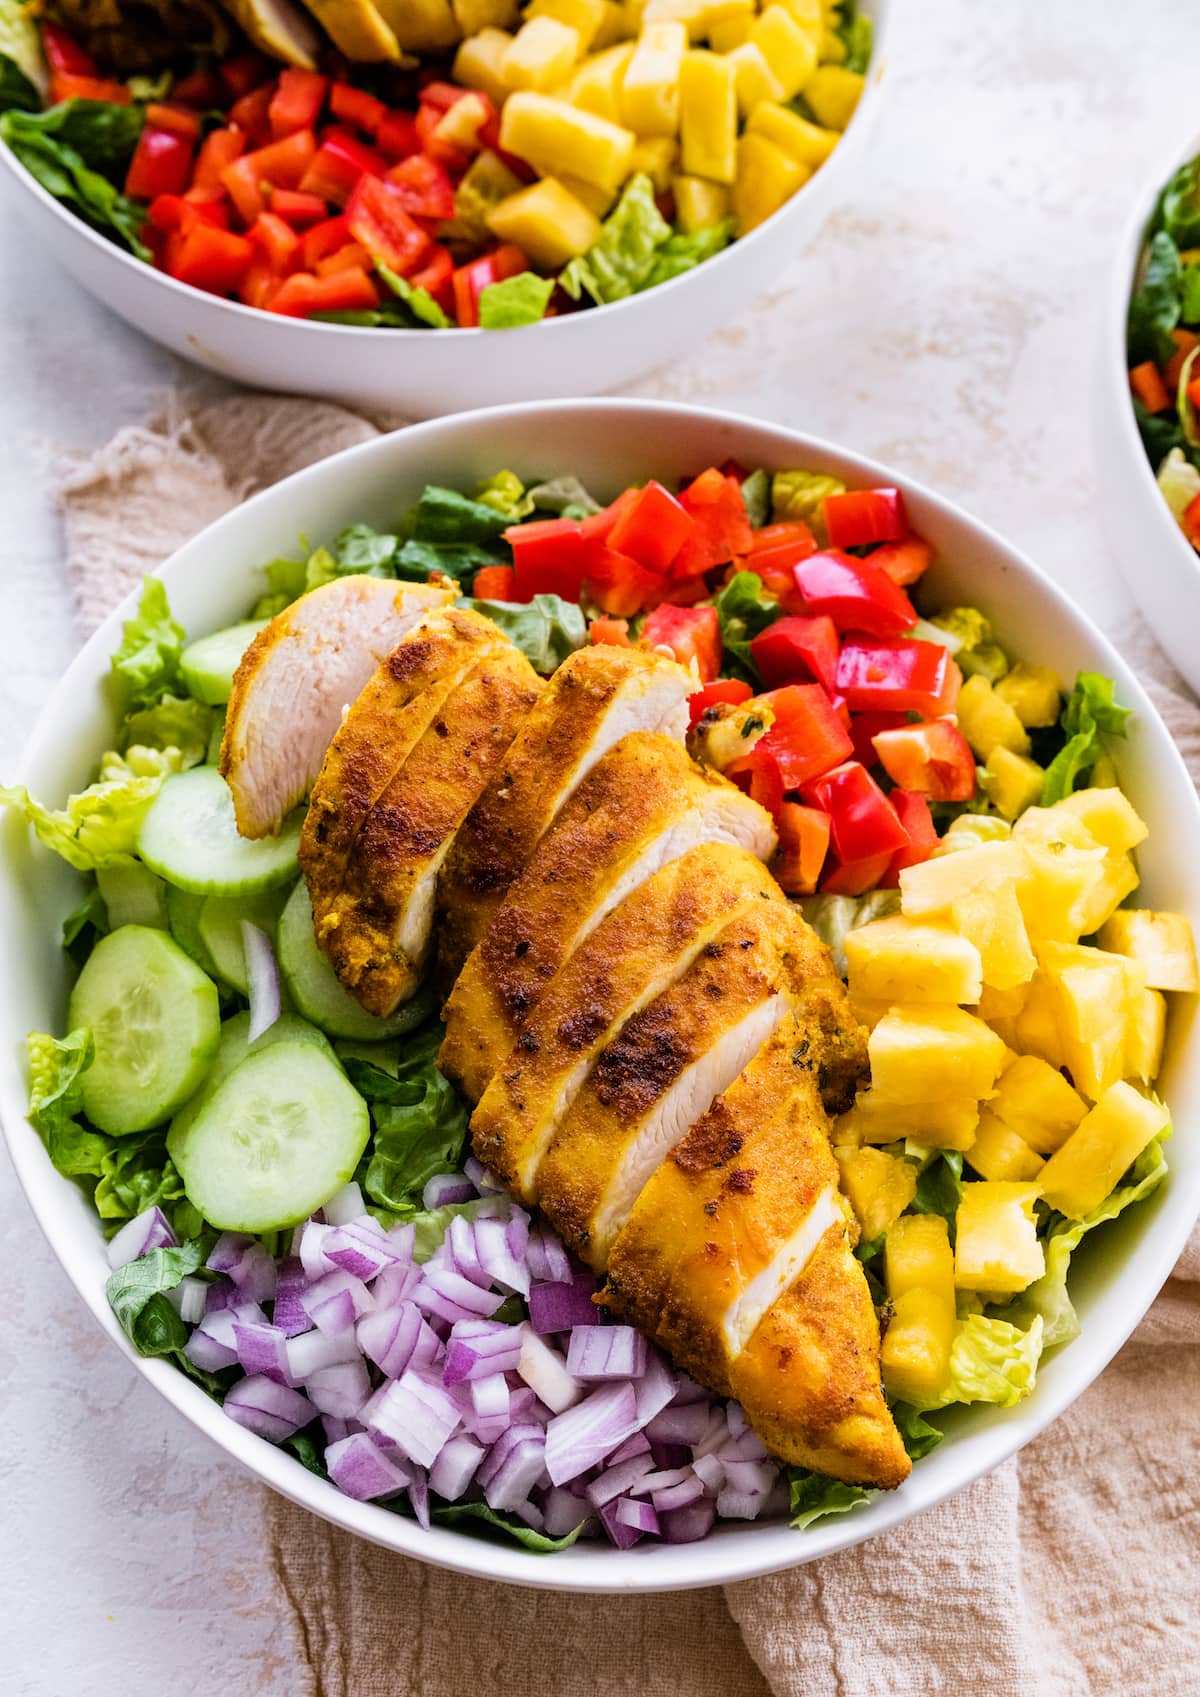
(208, 664)
(233, 1048)
(155, 1020)
(190, 838)
(220, 929)
(133, 895)
(183, 921)
(313, 985)
(274, 1140)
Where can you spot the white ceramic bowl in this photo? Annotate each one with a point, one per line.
(608, 443)
(419, 374)
(1159, 565)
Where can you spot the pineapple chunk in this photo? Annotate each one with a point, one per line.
(996, 1245)
(471, 16)
(1036, 1101)
(692, 14)
(1036, 1029)
(971, 829)
(1000, 1008)
(540, 55)
(990, 917)
(833, 94)
(708, 118)
(947, 1122)
(799, 139)
(1145, 1028)
(598, 201)
(728, 24)
(766, 179)
(596, 85)
(789, 50)
(699, 204)
(936, 884)
(1117, 878)
(1090, 1003)
(878, 1186)
(478, 62)
(1077, 1178)
(808, 15)
(1054, 827)
(999, 1153)
(546, 222)
(460, 124)
(925, 1053)
(1060, 889)
(1161, 943)
(556, 138)
(583, 16)
(1034, 694)
(919, 1269)
(1108, 816)
(1013, 782)
(657, 157)
(650, 91)
(755, 80)
(986, 721)
(898, 959)
(423, 25)
(612, 25)
(869, 1010)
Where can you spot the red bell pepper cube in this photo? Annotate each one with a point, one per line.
(904, 562)
(1190, 522)
(463, 132)
(720, 529)
(863, 821)
(916, 677)
(259, 286)
(216, 260)
(352, 257)
(245, 72)
(161, 164)
(252, 113)
(807, 737)
(356, 107)
(202, 90)
(297, 101)
(278, 242)
(217, 150)
(932, 759)
(321, 240)
(64, 85)
(423, 187)
(436, 277)
(494, 583)
(861, 516)
(455, 159)
(376, 219)
(441, 95)
(396, 136)
(691, 634)
(914, 815)
(609, 633)
(547, 558)
(653, 527)
(337, 165)
(281, 164)
(720, 692)
(793, 649)
(856, 878)
(471, 280)
(803, 846)
(758, 774)
(301, 211)
(857, 595)
(780, 546)
(181, 119)
(598, 527)
(63, 52)
(346, 291)
(864, 727)
(617, 583)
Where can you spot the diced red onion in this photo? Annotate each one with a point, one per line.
(524, 1405)
(456, 1466)
(484, 1181)
(207, 1353)
(687, 1390)
(749, 1478)
(148, 1230)
(561, 1305)
(359, 1250)
(739, 1505)
(562, 1512)
(308, 1352)
(428, 1349)
(414, 1415)
(688, 1525)
(585, 1434)
(668, 1498)
(716, 1432)
(340, 1390)
(312, 1249)
(710, 1472)
(458, 1247)
(213, 1344)
(513, 1466)
(735, 1418)
(388, 1337)
(477, 1348)
(670, 1455)
(447, 1293)
(530, 1513)
(679, 1425)
(189, 1299)
(606, 1352)
(614, 1482)
(345, 1205)
(445, 1188)
(335, 1430)
(489, 1397)
(745, 1446)
(262, 974)
(619, 1533)
(395, 1284)
(496, 1257)
(402, 1239)
(545, 1372)
(263, 1349)
(362, 1471)
(654, 1388)
(638, 1444)
(547, 1260)
(271, 1410)
(221, 1293)
(418, 1495)
(229, 1251)
(343, 1297)
(632, 1511)
(288, 1314)
(661, 1480)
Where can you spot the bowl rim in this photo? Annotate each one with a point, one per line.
(726, 1557)
(858, 127)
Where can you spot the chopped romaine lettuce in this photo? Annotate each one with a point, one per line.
(72, 150)
(1179, 208)
(451, 1513)
(1179, 481)
(622, 257)
(991, 1360)
(176, 722)
(137, 1295)
(1089, 714)
(564, 495)
(744, 609)
(800, 495)
(545, 629)
(56, 1066)
(831, 916)
(756, 495)
(443, 515)
(508, 495)
(419, 303)
(682, 252)
(146, 664)
(813, 1496)
(100, 825)
(1156, 304)
(515, 301)
(420, 1123)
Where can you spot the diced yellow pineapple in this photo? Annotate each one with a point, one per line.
(808, 143)
(1145, 1028)
(1080, 1175)
(650, 91)
(1090, 1008)
(986, 721)
(999, 1153)
(708, 118)
(727, 24)
(1161, 943)
(833, 93)
(478, 63)
(699, 204)
(789, 50)
(766, 179)
(1108, 816)
(546, 222)
(690, 13)
(755, 80)
(598, 201)
(1036, 1029)
(898, 959)
(473, 15)
(878, 1186)
(971, 829)
(919, 1270)
(946, 1122)
(1037, 1102)
(596, 85)
(541, 54)
(937, 883)
(1013, 781)
(583, 16)
(1117, 878)
(1033, 692)
(869, 1010)
(460, 124)
(831, 49)
(423, 25)
(556, 137)
(921, 1053)
(1000, 1008)
(656, 157)
(808, 15)
(989, 915)
(1054, 827)
(1060, 888)
(996, 1245)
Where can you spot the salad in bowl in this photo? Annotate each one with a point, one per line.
(600, 1013)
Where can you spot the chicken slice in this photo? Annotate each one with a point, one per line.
(658, 1076)
(278, 28)
(643, 947)
(641, 807)
(296, 678)
(597, 696)
(377, 930)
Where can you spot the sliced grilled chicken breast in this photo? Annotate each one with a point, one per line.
(596, 697)
(296, 678)
(357, 29)
(643, 947)
(641, 807)
(279, 28)
(377, 930)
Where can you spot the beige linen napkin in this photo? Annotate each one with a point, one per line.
(1069, 1572)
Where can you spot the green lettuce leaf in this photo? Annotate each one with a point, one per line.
(1156, 304)
(991, 1360)
(507, 494)
(682, 252)
(940, 1187)
(17, 93)
(813, 1496)
(1088, 715)
(85, 925)
(420, 1123)
(515, 301)
(443, 515)
(799, 494)
(1179, 207)
(100, 825)
(74, 151)
(832, 916)
(146, 665)
(176, 722)
(545, 629)
(137, 1296)
(565, 496)
(622, 257)
(744, 609)
(136, 1174)
(854, 30)
(756, 497)
(917, 1435)
(24, 76)
(56, 1068)
(307, 1452)
(452, 1513)
(417, 562)
(419, 304)
(370, 553)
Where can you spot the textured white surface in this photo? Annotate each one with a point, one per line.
(944, 320)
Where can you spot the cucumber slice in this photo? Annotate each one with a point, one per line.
(190, 838)
(220, 929)
(155, 1020)
(208, 664)
(133, 896)
(313, 985)
(274, 1141)
(232, 1050)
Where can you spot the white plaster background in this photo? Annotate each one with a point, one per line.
(944, 320)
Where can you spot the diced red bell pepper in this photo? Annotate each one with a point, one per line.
(917, 677)
(423, 187)
(913, 814)
(161, 164)
(904, 562)
(494, 583)
(1190, 522)
(345, 291)
(598, 527)
(278, 242)
(202, 90)
(216, 260)
(355, 106)
(720, 692)
(376, 219)
(63, 52)
(297, 101)
(842, 708)
(397, 136)
(218, 150)
(858, 877)
(321, 240)
(861, 516)
(803, 846)
(252, 113)
(181, 119)
(779, 547)
(691, 633)
(281, 164)
(863, 821)
(455, 159)
(857, 595)
(441, 95)
(170, 212)
(758, 774)
(259, 286)
(461, 128)
(793, 649)
(866, 726)
(932, 759)
(616, 582)
(299, 210)
(720, 529)
(652, 527)
(64, 85)
(352, 257)
(436, 277)
(807, 737)
(337, 165)
(245, 72)
(734, 468)
(471, 280)
(609, 633)
(547, 558)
